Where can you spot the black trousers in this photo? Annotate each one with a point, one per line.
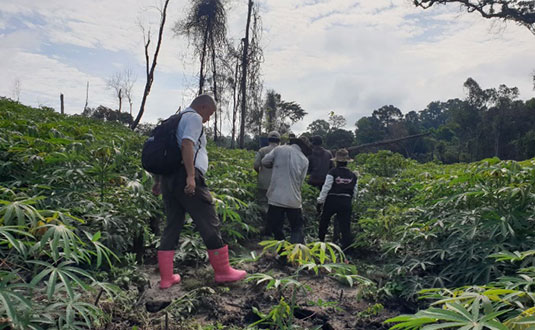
(199, 206)
(341, 206)
(276, 215)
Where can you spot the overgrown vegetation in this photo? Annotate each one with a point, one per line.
(78, 224)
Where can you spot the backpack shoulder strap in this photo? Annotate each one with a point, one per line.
(196, 152)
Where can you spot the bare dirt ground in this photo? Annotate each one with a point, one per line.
(198, 301)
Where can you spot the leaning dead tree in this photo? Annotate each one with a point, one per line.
(150, 70)
(356, 149)
(519, 11)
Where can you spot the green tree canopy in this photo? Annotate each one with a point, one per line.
(319, 127)
(281, 114)
(369, 130)
(339, 138)
(387, 115)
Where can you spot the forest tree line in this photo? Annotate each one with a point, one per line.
(489, 122)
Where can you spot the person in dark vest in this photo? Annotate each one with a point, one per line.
(336, 196)
(319, 162)
(186, 191)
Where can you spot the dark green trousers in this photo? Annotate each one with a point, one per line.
(199, 206)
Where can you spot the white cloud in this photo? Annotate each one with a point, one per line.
(43, 79)
(360, 58)
(343, 55)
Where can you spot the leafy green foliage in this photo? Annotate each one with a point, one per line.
(507, 303)
(74, 204)
(316, 257)
(279, 316)
(58, 173)
(316, 252)
(439, 226)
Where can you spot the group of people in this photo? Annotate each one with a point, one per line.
(282, 170)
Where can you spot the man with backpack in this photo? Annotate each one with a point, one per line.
(184, 190)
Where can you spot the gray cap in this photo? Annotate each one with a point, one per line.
(274, 135)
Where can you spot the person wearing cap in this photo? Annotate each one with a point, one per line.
(337, 193)
(289, 164)
(264, 173)
(319, 162)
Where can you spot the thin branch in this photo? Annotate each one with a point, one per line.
(150, 73)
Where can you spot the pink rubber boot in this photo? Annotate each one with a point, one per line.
(165, 263)
(223, 271)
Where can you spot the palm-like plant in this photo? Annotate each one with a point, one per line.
(206, 27)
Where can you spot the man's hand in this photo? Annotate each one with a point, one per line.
(189, 165)
(319, 207)
(156, 189)
(190, 186)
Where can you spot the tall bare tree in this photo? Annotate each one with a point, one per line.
(244, 64)
(206, 28)
(255, 87)
(129, 79)
(336, 121)
(115, 83)
(149, 70)
(86, 95)
(233, 64)
(15, 89)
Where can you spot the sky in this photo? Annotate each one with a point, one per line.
(350, 57)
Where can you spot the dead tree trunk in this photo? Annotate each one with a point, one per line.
(245, 58)
(120, 96)
(86, 95)
(62, 104)
(203, 57)
(150, 71)
(214, 78)
(235, 103)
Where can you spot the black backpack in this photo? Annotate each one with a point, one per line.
(161, 153)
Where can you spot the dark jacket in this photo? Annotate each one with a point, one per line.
(319, 163)
(340, 182)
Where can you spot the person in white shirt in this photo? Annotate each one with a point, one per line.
(289, 164)
(185, 191)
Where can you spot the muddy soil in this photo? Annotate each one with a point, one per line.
(198, 301)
